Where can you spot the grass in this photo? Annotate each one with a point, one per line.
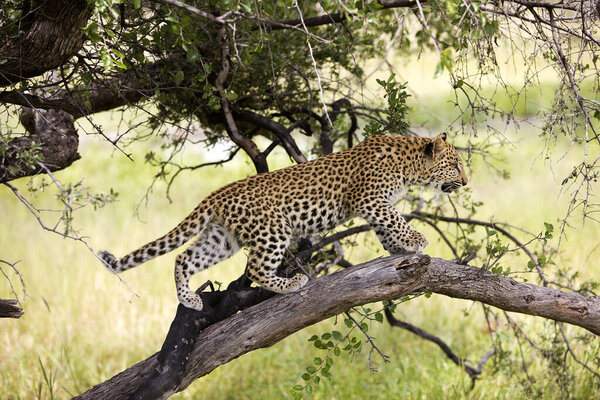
(82, 325)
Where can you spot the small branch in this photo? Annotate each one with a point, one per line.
(461, 362)
(194, 10)
(369, 339)
(333, 18)
(260, 163)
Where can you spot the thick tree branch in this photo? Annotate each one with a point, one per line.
(101, 95)
(53, 37)
(10, 309)
(465, 282)
(388, 278)
(50, 146)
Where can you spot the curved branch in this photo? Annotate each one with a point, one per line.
(259, 160)
(382, 279)
(459, 361)
(279, 130)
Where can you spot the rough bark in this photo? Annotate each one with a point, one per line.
(52, 36)
(464, 282)
(50, 146)
(388, 278)
(10, 309)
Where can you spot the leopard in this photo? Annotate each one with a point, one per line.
(264, 213)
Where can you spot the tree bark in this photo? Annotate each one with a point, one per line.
(10, 309)
(53, 35)
(50, 146)
(382, 279)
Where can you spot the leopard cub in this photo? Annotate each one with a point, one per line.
(263, 213)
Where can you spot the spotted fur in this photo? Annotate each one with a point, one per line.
(264, 212)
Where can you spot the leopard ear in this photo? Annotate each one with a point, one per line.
(436, 145)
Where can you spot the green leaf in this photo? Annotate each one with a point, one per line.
(311, 369)
(438, 69)
(92, 32)
(308, 388)
(490, 27)
(306, 376)
(336, 335)
(178, 77)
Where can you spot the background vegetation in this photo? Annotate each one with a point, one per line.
(82, 325)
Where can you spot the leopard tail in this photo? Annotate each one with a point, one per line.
(191, 226)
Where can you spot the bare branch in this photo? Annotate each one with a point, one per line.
(260, 163)
(461, 362)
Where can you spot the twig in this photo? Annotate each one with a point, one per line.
(369, 339)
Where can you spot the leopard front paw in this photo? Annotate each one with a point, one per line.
(297, 281)
(417, 242)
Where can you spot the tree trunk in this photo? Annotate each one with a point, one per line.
(382, 279)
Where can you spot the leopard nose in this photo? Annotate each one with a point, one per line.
(464, 181)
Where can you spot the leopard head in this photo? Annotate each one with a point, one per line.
(445, 166)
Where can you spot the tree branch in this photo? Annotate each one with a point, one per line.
(461, 362)
(53, 37)
(52, 143)
(10, 308)
(333, 18)
(382, 279)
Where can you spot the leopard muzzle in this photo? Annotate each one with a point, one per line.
(448, 187)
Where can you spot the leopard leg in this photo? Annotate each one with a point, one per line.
(263, 261)
(213, 245)
(394, 233)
